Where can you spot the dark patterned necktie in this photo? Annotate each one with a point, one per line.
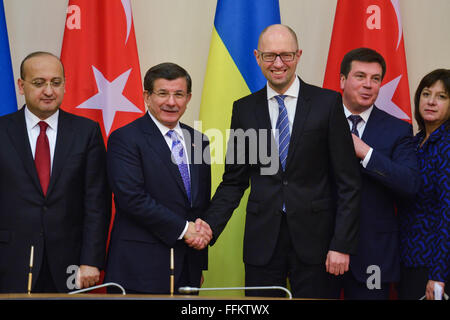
(180, 159)
(42, 157)
(355, 119)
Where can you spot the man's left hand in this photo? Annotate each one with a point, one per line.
(337, 263)
(87, 276)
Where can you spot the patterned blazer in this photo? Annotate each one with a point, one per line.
(425, 226)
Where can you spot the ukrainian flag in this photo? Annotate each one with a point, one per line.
(232, 73)
(8, 93)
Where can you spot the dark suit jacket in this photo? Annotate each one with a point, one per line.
(72, 220)
(152, 206)
(390, 175)
(320, 163)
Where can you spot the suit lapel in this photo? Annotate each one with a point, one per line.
(157, 142)
(64, 139)
(262, 110)
(301, 114)
(193, 152)
(19, 136)
(371, 130)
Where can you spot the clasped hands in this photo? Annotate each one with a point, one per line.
(198, 234)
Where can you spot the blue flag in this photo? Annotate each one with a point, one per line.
(8, 93)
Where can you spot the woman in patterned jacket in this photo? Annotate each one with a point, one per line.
(425, 224)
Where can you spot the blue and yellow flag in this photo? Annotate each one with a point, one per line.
(232, 73)
(8, 93)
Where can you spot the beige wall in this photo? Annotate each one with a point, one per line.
(180, 31)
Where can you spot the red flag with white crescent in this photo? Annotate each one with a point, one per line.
(374, 24)
(100, 57)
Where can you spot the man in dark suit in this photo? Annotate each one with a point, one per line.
(53, 187)
(302, 219)
(161, 185)
(389, 169)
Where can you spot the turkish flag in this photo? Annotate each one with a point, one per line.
(374, 24)
(100, 57)
(99, 53)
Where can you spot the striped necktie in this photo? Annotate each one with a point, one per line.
(283, 131)
(180, 159)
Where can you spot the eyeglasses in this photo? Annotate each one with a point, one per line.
(272, 56)
(55, 83)
(179, 95)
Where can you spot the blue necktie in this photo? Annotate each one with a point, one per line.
(180, 159)
(355, 119)
(283, 131)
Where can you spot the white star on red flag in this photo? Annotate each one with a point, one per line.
(101, 63)
(384, 100)
(109, 98)
(99, 53)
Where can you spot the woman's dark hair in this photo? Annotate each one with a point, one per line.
(429, 80)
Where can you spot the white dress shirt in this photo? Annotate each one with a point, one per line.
(180, 136)
(360, 127)
(290, 103)
(34, 130)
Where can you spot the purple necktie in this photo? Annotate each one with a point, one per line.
(355, 119)
(180, 159)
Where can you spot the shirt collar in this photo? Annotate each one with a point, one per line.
(165, 129)
(32, 120)
(291, 92)
(364, 115)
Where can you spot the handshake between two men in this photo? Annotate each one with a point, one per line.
(198, 234)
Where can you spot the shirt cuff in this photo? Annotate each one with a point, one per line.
(366, 159)
(184, 231)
